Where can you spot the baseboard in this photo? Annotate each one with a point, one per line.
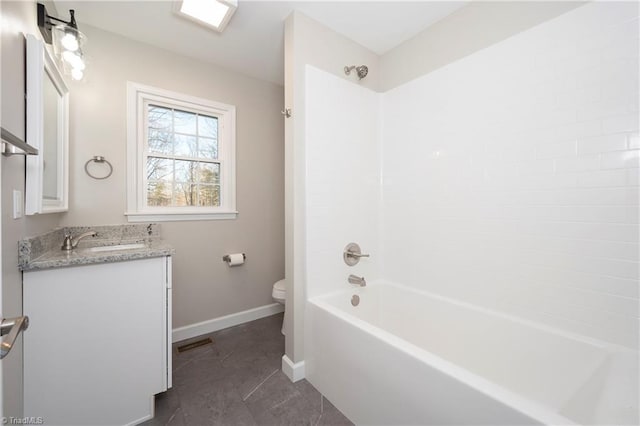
(294, 372)
(215, 324)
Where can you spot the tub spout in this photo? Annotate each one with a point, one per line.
(354, 279)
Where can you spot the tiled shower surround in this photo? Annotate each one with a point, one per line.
(508, 179)
(511, 176)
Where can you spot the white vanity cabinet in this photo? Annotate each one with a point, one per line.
(98, 346)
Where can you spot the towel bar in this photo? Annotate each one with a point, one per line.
(12, 139)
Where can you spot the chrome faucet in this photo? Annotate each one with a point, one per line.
(70, 242)
(354, 279)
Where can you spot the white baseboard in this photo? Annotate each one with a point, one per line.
(294, 372)
(215, 324)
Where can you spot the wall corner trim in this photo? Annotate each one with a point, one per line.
(215, 324)
(294, 371)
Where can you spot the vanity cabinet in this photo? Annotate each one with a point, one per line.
(99, 346)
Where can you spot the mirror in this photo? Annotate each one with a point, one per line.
(47, 180)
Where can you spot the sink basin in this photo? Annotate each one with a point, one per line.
(132, 246)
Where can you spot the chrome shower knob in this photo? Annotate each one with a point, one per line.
(352, 254)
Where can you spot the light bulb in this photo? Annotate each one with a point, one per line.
(74, 60)
(70, 42)
(77, 74)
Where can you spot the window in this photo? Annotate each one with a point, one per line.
(181, 157)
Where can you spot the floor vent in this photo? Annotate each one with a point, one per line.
(194, 345)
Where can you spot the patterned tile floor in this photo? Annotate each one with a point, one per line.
(237, 381)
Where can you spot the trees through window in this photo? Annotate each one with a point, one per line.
(182, 158)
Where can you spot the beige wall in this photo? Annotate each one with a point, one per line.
(323, 48)
(17, 18)
(204, 287)
(467, 30)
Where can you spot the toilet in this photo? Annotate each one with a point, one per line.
(279, 294)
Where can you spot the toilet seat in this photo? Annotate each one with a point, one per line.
(279, 290)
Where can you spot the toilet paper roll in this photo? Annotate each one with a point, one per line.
(235, 259)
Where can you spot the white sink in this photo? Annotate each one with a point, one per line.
(132, 246)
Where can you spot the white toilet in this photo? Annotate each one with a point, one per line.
(279, 294)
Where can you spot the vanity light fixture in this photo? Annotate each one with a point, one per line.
(66, 39)
(211, 13)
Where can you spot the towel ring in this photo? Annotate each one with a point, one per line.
(100, 160)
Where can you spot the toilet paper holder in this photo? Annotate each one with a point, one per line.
(227, 258)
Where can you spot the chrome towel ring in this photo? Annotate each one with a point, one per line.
(100, 160)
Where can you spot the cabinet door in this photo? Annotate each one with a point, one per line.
(96, 348)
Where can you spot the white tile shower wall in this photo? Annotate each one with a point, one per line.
(343, 180)
(511, 176)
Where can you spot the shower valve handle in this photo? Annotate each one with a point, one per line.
(356, 255)
(352, 254)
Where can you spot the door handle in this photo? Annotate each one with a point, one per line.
(12, 327)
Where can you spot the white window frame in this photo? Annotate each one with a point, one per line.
(138, 97)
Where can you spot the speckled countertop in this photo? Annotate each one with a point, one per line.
(43, 251)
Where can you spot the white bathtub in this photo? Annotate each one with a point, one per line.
(404, 357)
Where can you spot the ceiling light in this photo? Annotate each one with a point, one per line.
(212, 13)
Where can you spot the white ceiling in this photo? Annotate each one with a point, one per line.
(253, 42)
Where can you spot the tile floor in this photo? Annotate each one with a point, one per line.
(237, 381)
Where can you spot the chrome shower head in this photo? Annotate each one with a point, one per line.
(362, 71)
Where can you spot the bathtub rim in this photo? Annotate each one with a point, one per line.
(609, 346)
(526, 406)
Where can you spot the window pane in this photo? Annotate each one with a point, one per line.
(209, 195)
(159, 118)
(161, 142)
(184, 122)
(183, 154)
(158, 194)
(208, 126)
(159, 169)
(185, 194)
(185, 146)
(209, 172)
(186, 171)
(208, 148)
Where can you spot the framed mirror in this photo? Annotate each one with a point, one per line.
(47, 180)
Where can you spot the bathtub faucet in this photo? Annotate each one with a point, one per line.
(354, 279)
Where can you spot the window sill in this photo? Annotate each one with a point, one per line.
(178, 217)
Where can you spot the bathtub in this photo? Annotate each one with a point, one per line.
(414, 358)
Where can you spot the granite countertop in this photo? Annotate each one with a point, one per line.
(43, 251)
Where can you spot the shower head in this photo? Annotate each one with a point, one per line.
(362, 71)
